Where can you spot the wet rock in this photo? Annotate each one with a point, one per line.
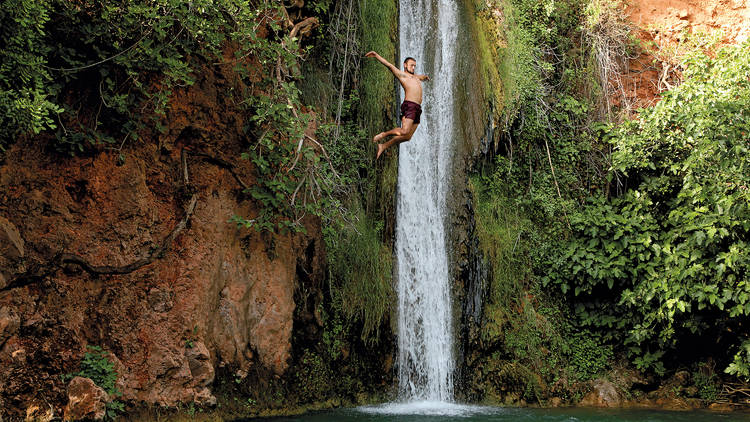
(603, 394)
(199, 361)
(86, 400)
(677, 403)
(9, 323)
(720, 407)
(555, 402)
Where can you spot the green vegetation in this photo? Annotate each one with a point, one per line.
(102, 74)
(527, 333)
(671, 251)
(360, 274)
(24, 80)
(377, 85)
(519, 203)
(707, 382)
(344, 364)
(612, 240)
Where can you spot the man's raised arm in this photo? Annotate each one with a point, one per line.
(423, 78)
(385, 62)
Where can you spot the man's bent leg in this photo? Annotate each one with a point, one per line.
(398, 131)
(397, 139)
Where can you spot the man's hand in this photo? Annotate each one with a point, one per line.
(371, 54)
(424, 78)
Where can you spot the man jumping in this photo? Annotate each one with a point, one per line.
(411, 108)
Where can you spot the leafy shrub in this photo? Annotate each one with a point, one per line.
(707, 382)
(588, 357)
(740, 365)
(27, 103)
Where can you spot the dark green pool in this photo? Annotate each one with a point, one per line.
(441, 412)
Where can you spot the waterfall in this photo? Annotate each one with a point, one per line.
(428, 33)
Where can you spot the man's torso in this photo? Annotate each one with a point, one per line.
(412, 88)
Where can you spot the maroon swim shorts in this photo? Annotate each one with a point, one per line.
(411, 110)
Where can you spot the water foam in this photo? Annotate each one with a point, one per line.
(429, 408)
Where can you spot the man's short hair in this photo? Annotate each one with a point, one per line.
(410, 58)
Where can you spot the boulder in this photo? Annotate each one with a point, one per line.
(86, 400)
(603, 394)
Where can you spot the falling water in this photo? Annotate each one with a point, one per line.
(425, 361)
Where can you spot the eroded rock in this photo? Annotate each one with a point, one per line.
(11, 243)
(112, 213)
(603, 394)
(11, 251)
(199, 361)
(160, 300)
(86, 400)
(9, 323)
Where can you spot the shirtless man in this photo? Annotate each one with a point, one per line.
(411, 108)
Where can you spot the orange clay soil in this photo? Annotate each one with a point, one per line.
(661, 25)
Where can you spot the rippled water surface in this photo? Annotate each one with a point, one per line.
(443, 412)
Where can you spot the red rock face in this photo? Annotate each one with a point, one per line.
(218, 296)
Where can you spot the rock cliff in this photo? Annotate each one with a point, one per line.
(133, 250)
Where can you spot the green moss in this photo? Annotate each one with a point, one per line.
(360, 270)
(316, 88)
(379, 33)
(487, 39)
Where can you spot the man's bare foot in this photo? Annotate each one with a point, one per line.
(377, 137)
(381, 148)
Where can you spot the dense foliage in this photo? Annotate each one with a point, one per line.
(668, 260)
(548, 159)
(603, 238)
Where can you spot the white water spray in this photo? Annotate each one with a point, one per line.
(428, 33)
